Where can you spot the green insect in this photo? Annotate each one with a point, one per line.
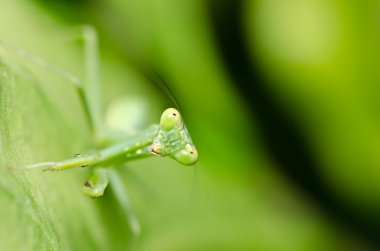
(169, 138)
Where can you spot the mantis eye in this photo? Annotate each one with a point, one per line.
(170, 118)
(187, 156)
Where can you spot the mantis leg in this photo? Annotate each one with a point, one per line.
(121, 195)
(88, 35)
(91, 100)
(97, 183)
(92, 71)
(80, 160)
(136, 147)
(89, 94)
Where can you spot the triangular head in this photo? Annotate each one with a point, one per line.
(173, 139)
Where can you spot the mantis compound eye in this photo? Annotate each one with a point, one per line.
(187, 156)
(170, 118)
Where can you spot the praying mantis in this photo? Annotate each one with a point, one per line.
(168, 138)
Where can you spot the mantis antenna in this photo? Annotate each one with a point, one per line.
(157, 80)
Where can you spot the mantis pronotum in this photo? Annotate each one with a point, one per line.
(169, 138)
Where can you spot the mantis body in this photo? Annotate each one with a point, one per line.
(169, 138)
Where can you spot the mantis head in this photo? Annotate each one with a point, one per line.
(173, 139)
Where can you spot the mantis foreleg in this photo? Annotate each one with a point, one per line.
(97, 183)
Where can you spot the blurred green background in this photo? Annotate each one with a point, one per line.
(318, 62)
